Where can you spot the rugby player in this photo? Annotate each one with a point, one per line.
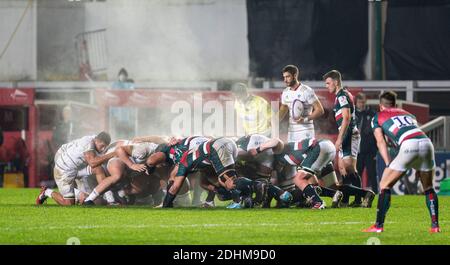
(219, 153)
(415, 150)
(256, 157)
(348, 139)
(70, 159)
(303, 127)
(310, 156)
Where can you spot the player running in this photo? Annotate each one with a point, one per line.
(415, 150)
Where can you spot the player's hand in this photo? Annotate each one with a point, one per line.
(300, 120)
(139, 167)
(253, 152)
(172, 141)
(229, 184)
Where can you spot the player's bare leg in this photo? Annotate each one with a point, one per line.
(116, 169)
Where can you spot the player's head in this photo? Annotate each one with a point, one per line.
(291, 74)
(161, 157)
(240, 91)
(333, 80)
(388, 99)
(361, 100)
(101, 141)
(122, 75)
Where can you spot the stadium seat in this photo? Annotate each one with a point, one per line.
(13, 180)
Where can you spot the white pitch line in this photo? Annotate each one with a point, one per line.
(87, 227)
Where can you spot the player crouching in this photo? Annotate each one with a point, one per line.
(219, 153)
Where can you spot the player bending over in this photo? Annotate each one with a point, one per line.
(219, 153)
(256, 159)
(415, 150)
(71, 158)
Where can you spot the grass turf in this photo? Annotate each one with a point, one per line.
(22, 222)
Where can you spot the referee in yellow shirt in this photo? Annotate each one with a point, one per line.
(254, 112)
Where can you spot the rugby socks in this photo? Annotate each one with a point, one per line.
(355, 179)
(48, 192)
(346, 181)
(94, 195)
(350, 190)
(326, 192)
(274, 191)
(210, 197)
(109, 197)
(384, 201)
(311, 194)
(168, 200)
(431, 199)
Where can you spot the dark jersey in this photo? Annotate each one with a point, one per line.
(344, 99)
(195, 159)
(175, 152)
(295, 152)
(398, 125)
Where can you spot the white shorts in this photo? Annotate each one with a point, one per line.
(297, 136)
(414, 153)
(182, 200)
(86, 184)
(65, 182)
(318, 157)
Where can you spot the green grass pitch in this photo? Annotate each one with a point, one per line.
(22, 222)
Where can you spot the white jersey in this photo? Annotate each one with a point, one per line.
(307, 96)
(141, 151)
(254, 141)
(70, 157)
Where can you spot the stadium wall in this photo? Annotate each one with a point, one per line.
(19, 59)
(175, 39)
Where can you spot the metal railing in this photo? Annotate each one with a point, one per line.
(438, 130)
(409, 86)
(92, 52)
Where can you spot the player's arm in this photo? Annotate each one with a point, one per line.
(94, 161)
(382, 145)
(282, 112)
(151, 138)
(124, 153)
(317, 111)
(346, 118)
(275, 144)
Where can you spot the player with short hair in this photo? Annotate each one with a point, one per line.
(303, 127)
(415, 151)
(348, 139)
(71, 158)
